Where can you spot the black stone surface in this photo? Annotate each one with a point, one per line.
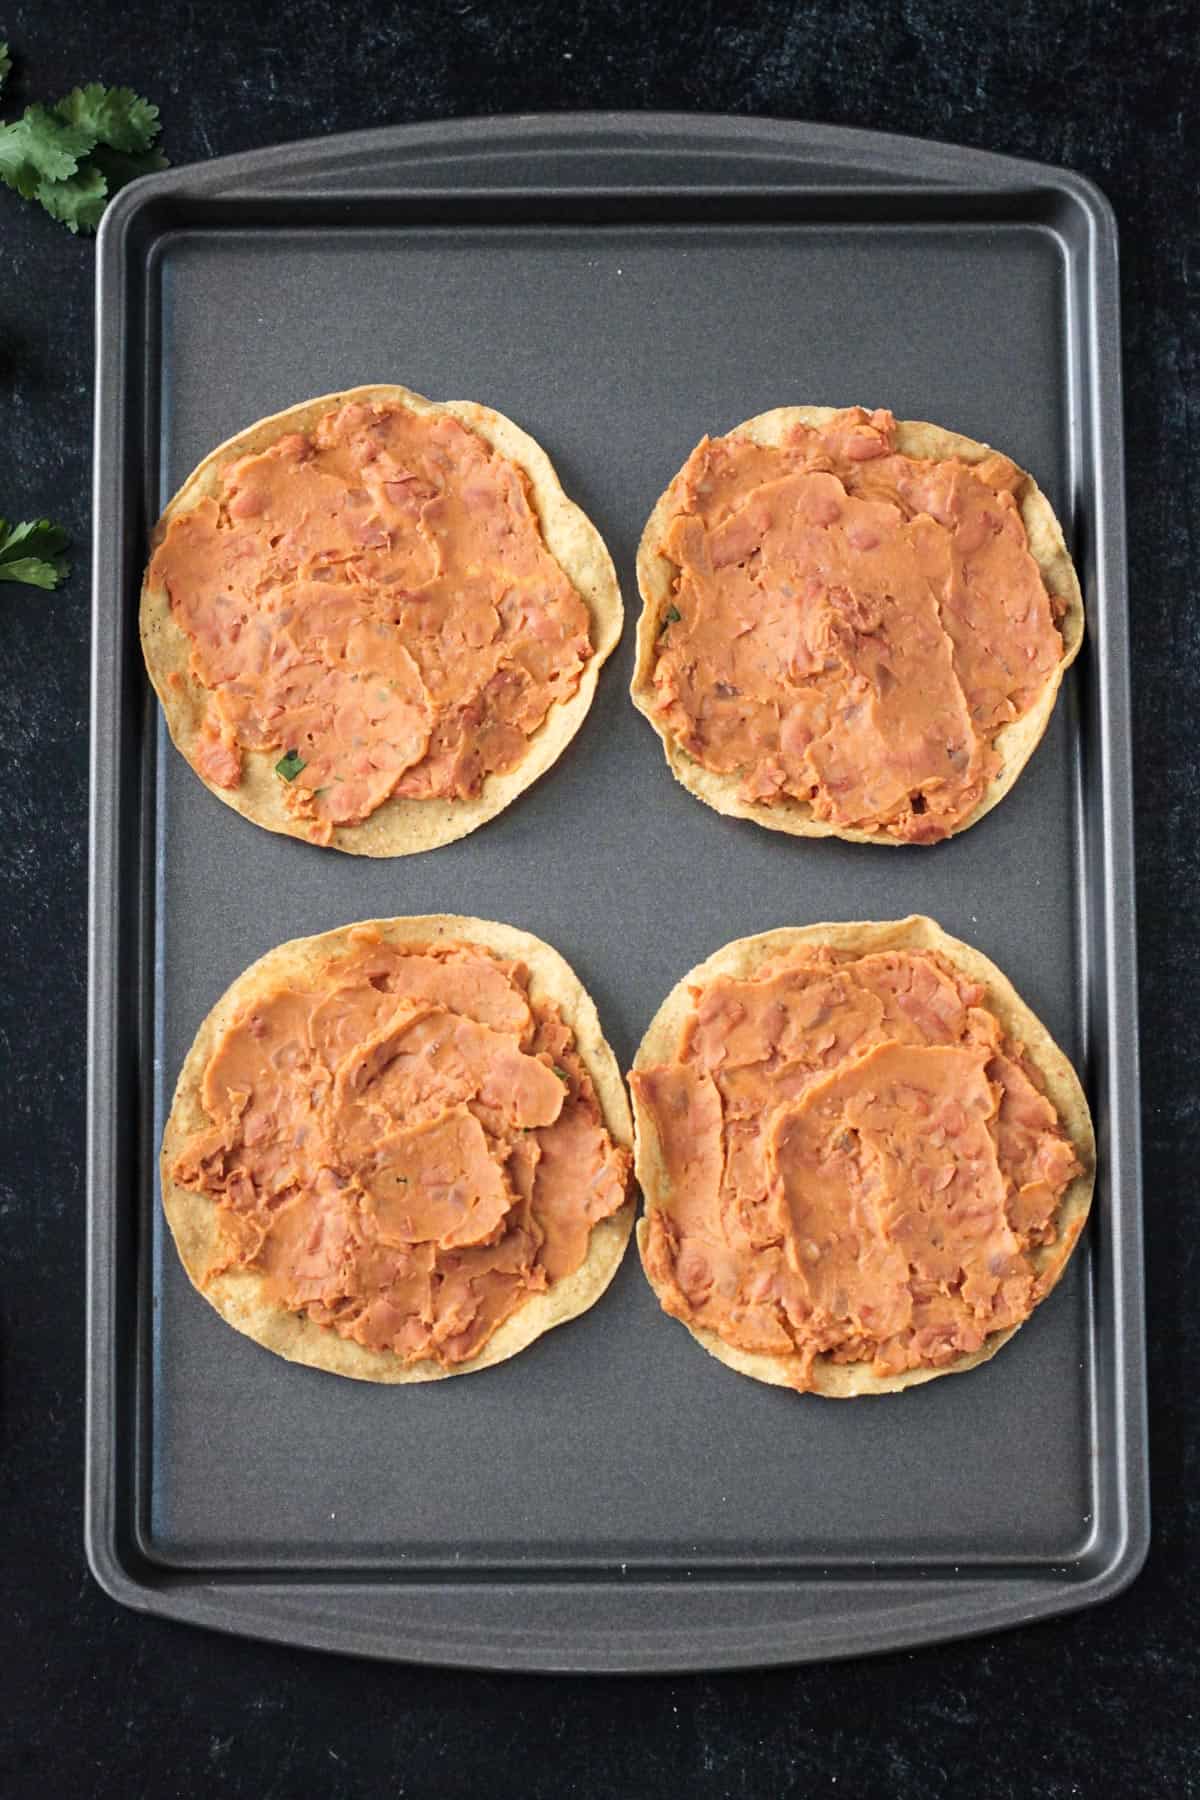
(97, 1700)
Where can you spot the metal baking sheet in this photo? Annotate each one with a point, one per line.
(613, 1498)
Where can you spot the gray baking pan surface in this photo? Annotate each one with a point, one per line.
(612, 1498)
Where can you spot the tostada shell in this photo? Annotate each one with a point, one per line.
(400, 827)
(740, 959)
(238, 1293)
(1015, 742)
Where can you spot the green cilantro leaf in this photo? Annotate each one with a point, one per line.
(33, 572)
(34, 537)
(32, 552)
(114, 116)
(38, 147)
(672, 616)
(118, 166)
(5, 64)
(290, 765)
(73, 157)
(78, 202)
(561, 1073)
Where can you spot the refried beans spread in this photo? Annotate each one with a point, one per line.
(857, 1164)
(374, 599)
(405, 1148)
(850, 627)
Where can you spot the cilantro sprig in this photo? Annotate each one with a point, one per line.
(73, 157)
(32, 552)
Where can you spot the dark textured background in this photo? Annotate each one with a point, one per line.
(96, 1700)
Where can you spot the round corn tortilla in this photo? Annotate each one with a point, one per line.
(740, 959)
(1015, 743)
(400, 827)
(237, 1294)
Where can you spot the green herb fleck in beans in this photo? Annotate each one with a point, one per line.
(289, 766)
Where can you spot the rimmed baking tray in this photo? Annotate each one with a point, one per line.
(612, 1499)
